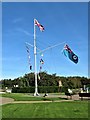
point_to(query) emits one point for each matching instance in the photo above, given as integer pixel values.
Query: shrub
(41, 89)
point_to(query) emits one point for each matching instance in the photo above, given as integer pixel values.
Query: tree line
(45, 79)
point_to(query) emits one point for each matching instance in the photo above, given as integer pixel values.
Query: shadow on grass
(53, 99)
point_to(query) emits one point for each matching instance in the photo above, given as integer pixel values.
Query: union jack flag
(39, 25)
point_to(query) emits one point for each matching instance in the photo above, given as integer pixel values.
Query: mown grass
(75, 109)
(28, 97)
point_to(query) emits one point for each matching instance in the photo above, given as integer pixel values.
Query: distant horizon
(47, 73)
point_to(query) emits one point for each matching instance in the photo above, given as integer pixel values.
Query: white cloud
(17, 20)
(24, 31)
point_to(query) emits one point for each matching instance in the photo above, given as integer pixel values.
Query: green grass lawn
(28, 97)
(75, 109)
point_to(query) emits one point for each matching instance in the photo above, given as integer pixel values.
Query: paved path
(4, 100)
(74, 97)
(41, 101)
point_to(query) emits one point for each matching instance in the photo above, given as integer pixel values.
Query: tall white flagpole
(35, 62)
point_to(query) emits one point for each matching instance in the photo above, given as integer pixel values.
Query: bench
(84, 95)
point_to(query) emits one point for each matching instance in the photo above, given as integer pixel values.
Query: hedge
(41, 89)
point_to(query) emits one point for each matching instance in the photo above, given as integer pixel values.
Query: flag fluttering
(40, 67)
(39, 25)
(28, 51)
(38, 76)
(41, 61)
(70, 54)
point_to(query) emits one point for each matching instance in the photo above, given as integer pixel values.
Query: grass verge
(28, 97)
(75, 109)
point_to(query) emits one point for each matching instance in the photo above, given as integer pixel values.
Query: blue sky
(63, 22)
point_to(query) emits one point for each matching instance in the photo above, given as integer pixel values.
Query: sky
(64, 22)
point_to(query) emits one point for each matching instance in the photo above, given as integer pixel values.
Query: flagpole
(35, 62)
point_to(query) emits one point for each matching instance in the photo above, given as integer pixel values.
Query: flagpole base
(36, 94)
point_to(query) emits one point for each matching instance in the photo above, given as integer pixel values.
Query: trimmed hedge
(48, 89)
(41, 89)
(23, 90)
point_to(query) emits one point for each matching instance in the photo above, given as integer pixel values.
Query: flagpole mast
(35, 62)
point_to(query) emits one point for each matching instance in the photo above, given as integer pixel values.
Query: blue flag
(70, 54)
